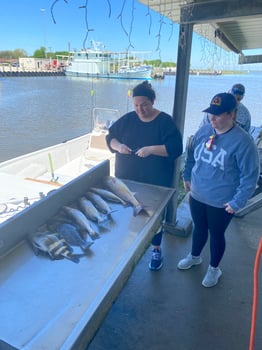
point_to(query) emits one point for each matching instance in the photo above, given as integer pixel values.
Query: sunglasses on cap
(236, 91)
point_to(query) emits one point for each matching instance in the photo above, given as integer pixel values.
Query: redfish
(81, 220)
(120, 189)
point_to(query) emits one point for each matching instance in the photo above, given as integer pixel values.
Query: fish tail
(103, 219)
(86, 246)
(137, 209)
(71, 257)
(94, 235)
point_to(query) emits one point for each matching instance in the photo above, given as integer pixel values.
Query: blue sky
(28, 25)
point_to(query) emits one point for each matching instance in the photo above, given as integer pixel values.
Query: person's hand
(123, 149)
(229, 209)
(187, 185)
(143, 152)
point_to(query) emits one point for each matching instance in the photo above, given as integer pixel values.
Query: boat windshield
(103, 118)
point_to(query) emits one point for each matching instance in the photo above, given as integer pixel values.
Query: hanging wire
(121, 17)
(150, 18)
(52, 9)
(122, 22)
(131, 24)
(171, 31)
(129, 32)
(109, 8)
(158, 49)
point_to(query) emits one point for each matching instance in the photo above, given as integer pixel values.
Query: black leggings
(215, 220)
(157, 239)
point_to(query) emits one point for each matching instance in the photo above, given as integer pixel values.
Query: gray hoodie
(227, 173)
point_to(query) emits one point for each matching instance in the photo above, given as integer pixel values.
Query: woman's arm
(119, 147)
(157, 150)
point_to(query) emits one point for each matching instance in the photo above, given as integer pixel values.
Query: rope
(255, 297)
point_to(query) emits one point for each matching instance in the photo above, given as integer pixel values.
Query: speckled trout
(90, 211)
(99, 203)
(78, 217)
(107, 195)
(118, 187)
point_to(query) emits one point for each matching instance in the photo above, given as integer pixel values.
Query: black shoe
(157, 260)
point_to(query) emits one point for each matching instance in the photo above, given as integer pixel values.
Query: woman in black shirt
(146, 142)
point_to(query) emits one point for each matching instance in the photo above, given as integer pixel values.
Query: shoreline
(6, 74)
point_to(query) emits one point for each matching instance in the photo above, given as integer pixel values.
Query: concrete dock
(171, 310)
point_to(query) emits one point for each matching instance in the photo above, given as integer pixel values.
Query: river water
(37, 112)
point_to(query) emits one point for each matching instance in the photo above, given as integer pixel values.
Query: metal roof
(234, 25)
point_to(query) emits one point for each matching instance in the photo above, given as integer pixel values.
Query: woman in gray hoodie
(221, 173)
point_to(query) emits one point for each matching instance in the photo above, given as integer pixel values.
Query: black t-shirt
(134, 133)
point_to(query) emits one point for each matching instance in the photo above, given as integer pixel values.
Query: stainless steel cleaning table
(57, 304)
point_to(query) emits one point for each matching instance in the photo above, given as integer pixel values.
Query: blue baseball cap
(221, 103)
(238, 89)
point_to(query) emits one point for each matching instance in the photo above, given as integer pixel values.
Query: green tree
(40, 53)
(9, 55)
(6, 54)
(60, 53)
(19, 53)
(168, 64)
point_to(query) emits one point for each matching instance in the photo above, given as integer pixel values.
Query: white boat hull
(98, 63)
(35, 174)
(141, 74)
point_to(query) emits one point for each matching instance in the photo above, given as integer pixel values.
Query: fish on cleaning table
(72, 236)
(99, 203)
(52, 245)
(81, 220)
(107, 195)
(90, 211)
(119, 188)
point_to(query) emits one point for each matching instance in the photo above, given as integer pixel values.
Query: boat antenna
(53, 178)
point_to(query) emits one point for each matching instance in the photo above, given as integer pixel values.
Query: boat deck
(35, 179)
(170, 310)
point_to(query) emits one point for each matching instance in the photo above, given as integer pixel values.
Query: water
(39, 112)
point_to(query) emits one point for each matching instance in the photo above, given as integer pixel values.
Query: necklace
(211, 140)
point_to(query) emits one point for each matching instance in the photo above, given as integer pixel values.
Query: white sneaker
(189, 261)
(212, 276)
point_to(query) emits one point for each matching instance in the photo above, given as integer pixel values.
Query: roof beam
(219, 11)
(219, 34)
(249, 59)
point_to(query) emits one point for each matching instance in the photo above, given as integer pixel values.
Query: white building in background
(29, 63)
(39, 64)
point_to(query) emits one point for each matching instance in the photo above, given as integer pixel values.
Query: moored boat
(30, 177)
(96, 62)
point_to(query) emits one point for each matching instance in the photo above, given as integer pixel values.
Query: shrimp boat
(96, 62)
(30, 177)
